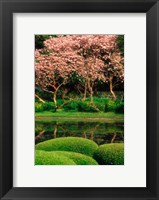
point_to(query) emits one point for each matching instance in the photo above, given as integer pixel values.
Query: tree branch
(47, 91)
(40, 99)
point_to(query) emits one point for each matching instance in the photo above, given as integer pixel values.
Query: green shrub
(86, 107)
(60, 102)
(38, 107)
(110, 154)
(51, 158)
(97, 100)
(109, 105)
(74, 144)
(119, 107)
(115, 106)
(47, 106)
(99, 106)
(80, 106)
(71, 106)
(99, 103)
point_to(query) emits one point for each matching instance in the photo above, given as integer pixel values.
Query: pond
(100, 132)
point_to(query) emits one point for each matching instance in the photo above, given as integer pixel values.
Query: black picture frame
(7, 8)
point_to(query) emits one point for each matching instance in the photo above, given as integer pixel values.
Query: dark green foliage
(51, 158)
(80, 106)
(120, 42)
(39, 40)
(115, 106)
(46, 52)
(87, 107)
(110, 154)
(74, 144)
(47, 106)
(71, 106)
(99, 104)
(109, 105)
(44, 95)
(60, 102)
(119, 107)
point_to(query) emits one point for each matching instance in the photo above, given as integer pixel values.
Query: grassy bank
(78, 116)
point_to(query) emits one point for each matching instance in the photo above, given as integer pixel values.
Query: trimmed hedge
(74, 144)
(110, 154)
(51, 158)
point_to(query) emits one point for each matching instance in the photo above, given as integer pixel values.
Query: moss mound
(62, 158)
(78, 158)
(74, 144)
(110, 154)
(51, 158)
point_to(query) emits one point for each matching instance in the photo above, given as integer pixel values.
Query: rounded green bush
(51, 158)
(110, 154)
(74, 144)
(78, 158)
(62, 158)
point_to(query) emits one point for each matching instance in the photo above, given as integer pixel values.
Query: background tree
(120, 42)
(39, 40)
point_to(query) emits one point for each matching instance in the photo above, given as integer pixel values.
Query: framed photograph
(79, 99)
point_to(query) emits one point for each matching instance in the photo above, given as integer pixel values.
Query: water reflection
(100, 132)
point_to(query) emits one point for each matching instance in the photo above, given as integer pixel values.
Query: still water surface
(100, 132)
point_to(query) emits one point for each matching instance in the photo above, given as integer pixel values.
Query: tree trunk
(113, 138)
(92, 136)
(39, 135)
(111, 88)
(55, 131)
(54, 97)
(91, 94)
(84, 134)
(90, 90)
(85, 91)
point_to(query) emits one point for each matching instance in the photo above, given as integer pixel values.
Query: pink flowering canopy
(92, 57)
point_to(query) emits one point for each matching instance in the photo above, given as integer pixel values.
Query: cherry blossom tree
(53, 70)
(114, 70)
(95, 50)
(91, 57)
(91, 71)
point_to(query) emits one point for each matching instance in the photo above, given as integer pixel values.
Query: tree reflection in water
(100, 132)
